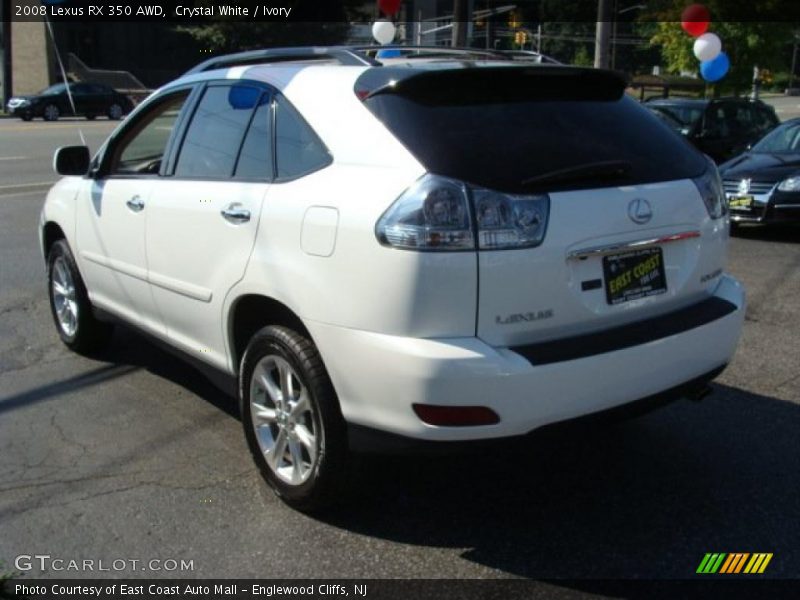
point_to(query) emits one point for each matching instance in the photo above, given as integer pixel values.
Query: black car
(720, 127)
(91, 100)
(763, 184)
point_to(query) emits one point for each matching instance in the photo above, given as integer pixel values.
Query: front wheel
(69, 303)
(291, 418)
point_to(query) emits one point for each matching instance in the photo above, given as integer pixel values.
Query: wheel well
(52, 233)
(251, 313)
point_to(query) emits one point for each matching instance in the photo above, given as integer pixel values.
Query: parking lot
(133, 455)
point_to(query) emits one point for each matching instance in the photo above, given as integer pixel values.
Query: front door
(113, 211)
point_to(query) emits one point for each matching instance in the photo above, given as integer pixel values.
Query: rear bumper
(378, 377)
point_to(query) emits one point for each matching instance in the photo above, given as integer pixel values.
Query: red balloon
(695, 19)
(389, 7)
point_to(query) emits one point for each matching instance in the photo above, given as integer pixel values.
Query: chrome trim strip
(622, 246)
(787, 206)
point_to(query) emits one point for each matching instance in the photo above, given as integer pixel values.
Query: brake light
(438, 213)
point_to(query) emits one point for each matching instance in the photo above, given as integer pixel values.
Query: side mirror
(71, 160)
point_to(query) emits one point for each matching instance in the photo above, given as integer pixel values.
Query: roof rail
(423, 51)
(345, 56)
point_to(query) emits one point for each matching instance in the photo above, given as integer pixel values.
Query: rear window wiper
(606, 169)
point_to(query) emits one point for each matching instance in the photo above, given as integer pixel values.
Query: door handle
(136, 204)
(235, 213)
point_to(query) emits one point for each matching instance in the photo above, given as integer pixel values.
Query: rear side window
(255, 158)
(299, 151)
(503, 133)
(212, 141)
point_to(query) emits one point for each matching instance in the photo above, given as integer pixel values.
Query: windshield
(685, 115)
(53, 89)
(783, 140)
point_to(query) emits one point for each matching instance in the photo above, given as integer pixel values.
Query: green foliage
(747, 43)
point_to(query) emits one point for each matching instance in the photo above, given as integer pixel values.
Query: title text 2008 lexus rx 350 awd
(426, 249)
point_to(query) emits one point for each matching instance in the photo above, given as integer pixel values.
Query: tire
(115, 112)
(51, 113)
(310, 436)
(734, 228)
(91, 117)
(27, 117)
(69, 303)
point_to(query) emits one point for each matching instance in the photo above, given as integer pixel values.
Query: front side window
(142, 148)
(214, 137)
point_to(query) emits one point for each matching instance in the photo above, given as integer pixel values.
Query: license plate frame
(634, 274)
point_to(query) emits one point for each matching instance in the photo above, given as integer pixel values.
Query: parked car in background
(763, 184)
(720, 127)
(669, 120)
(441, 250)
(91, 100)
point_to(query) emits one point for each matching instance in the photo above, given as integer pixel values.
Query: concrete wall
(29, 57)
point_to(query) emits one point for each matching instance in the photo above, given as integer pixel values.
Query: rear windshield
(503, 138)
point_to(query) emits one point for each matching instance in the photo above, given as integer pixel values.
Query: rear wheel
(115, 112)
(69, 303)
(51, 112)
(291, 418)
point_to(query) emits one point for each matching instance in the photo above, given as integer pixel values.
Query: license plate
(635, 274)
(740, 202)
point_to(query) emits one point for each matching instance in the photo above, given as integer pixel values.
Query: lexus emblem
(744, 186)
(639, 211)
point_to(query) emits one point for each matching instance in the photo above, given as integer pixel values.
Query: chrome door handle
(235, 213)
(136, 204)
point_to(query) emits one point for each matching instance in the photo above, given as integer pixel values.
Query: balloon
(389, 7)
(714, 70)
(707, 47)
(383, 31)
(389, 53)
(694, 19)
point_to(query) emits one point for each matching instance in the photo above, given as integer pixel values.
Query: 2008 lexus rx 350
(432, 248)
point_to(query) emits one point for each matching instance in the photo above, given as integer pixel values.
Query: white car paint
(395, 327)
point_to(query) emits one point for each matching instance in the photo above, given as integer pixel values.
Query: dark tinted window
(299, 151)
(215, 134)
(255, 159)
(485, 136)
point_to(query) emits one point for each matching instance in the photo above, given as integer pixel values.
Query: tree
(747, 43)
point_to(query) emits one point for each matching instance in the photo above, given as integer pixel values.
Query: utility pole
(5, 64)
(603, 34)
(460, 18)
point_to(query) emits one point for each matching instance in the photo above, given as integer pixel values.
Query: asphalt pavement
(133, 455)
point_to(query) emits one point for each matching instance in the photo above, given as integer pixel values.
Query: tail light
(438, 213)
(709, 184)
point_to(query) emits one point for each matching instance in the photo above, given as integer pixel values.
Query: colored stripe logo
(736, 562)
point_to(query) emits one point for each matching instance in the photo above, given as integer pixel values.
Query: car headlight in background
(709, 184)
(789, 185)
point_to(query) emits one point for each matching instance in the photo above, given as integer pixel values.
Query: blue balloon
(389, 53)
(714, 70)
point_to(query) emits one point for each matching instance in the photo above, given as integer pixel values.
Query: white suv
(433, 248)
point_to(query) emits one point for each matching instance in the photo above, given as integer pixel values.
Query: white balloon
(707, 47)
(383, 32)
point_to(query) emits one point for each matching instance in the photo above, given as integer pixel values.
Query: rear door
(202, 220)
